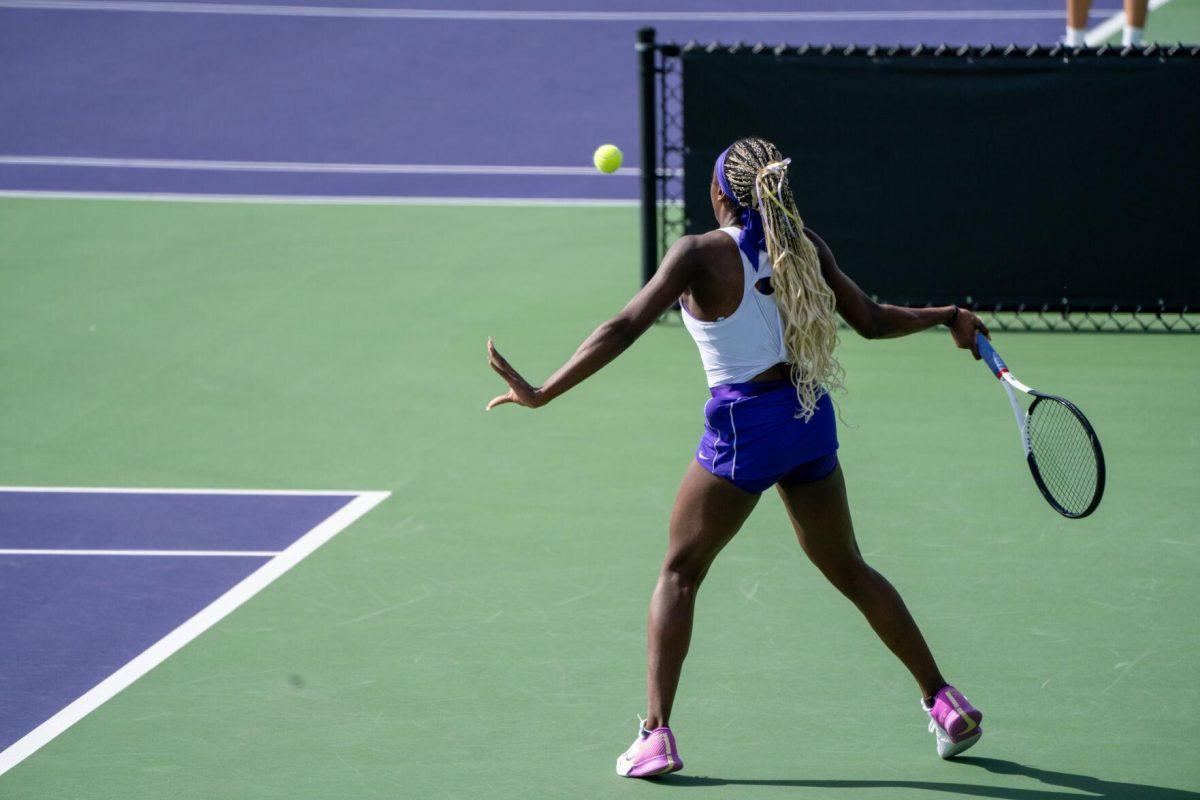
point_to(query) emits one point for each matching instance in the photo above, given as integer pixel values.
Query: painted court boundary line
(26, 551)
(168, 490)
(350, 12)
(202, 621)
(306, 166)
(319, 200)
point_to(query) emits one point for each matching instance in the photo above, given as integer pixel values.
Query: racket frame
(1011, 386)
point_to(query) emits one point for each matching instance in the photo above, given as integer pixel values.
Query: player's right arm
(873, 320)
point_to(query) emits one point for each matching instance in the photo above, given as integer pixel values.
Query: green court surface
(481, 633)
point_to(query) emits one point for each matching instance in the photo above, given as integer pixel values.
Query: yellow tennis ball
(607, 158)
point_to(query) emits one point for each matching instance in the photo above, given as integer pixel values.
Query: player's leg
(820, 514)
(1077, 21)
(708, 512)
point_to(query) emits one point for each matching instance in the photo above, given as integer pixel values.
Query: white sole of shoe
(959, 747)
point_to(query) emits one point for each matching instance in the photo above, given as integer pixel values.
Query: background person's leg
(1135, 21)
(1077, 21)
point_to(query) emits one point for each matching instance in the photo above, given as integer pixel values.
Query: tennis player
(760, 297)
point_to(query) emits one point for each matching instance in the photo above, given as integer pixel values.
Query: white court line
(250, 9)
(306, 166)
(1113, 25)
(165, 490)
(202, 621)
(165, 553)
(319, 200)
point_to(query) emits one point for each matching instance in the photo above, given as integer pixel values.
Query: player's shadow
(1095, 787)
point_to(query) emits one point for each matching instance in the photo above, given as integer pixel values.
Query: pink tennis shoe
(953, 721)
(652, 753)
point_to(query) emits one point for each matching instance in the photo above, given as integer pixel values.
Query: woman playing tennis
(759, 295)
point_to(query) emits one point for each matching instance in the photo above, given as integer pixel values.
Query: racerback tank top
(735, 348)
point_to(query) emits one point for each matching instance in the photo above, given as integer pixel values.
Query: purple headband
(753, 237)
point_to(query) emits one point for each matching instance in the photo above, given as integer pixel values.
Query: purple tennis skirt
(753, 438)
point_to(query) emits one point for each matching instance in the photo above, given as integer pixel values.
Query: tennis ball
(607, 158)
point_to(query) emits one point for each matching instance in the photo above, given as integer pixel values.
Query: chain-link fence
(666, 218)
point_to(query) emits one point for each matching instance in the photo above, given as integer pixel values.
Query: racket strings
(1064, 454)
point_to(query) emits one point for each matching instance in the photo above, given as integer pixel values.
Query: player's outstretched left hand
(964, 328)
(519, 390)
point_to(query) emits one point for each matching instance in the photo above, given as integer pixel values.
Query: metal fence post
(649, 154)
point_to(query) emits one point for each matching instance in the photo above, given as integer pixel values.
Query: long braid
(757, 173)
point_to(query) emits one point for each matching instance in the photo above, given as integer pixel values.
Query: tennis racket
(1061, 447)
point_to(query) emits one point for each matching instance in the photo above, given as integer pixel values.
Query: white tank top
(734, 349)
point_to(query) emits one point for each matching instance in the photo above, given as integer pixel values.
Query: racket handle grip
(989, 355)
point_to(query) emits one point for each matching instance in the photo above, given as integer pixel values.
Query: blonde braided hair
(757, 173)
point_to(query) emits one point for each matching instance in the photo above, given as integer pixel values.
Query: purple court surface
(365, 98)
(101, 585)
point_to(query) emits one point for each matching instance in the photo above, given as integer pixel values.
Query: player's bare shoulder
(715, 241)
(715, 277)
(699, 245)
(718, 251)
(699, 256)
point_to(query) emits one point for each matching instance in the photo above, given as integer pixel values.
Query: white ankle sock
(1133, 36)
(1074, 37)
